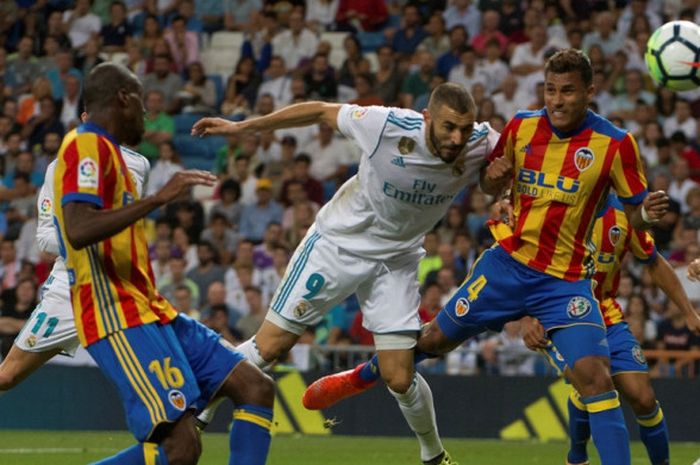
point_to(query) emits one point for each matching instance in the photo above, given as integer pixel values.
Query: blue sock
(249, 441)
(608, 428)
(370, 372)
(146, 453)
(579, 430)
(654, 434)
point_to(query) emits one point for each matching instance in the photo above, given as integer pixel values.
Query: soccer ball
(673, 55)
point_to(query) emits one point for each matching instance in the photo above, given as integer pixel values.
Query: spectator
(185, 247)
(436, 41)
(681, 183)
(388, 78)
(330, 157)
(17, 305)
(80, 24)
(178, 278)
(238, 14)
(625, 103)
(467, 73)
(248, 183)
(301, 173)
(29, 104)
(257, 216)
(492, 68)
(24, 163)
(222, 236)
(199, 92)
(116, 35)
(365, 94)
(151, 34)
(431, 261)
(463, 13)
(184, 44)
(507, 354)
(489, 34)
(263, 253)
(527, 60)
(321, 14)
(449, 59)
(276, 83)
(297, 44)
(70, 108)
(352, 64)
(161, 264)
(58, 74)
(208, 270)
(9, 265)
(248, 324)
(361, 15)
(167, 164)
(163, 80)
(159, 127)
(430, 305)
(604, 34)
(451, 224)
(271, 277)
(418, 82)
(229, 203)
(682, 120)
(182, 300)
(211, 14)
(637, 8)
(217, 320)
(407, 39)
(320, 79)
(673, 334)
(244, 82)
(45, 122)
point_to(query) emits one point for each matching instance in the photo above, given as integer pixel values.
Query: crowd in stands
(219, 254)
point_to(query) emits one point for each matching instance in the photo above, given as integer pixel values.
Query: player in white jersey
(367, 239)
(50, 329)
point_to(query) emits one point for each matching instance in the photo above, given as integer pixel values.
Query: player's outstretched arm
(87, 224)
(649, 212)
(299, 114)
(663, 276)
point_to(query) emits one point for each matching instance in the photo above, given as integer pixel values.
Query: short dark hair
(104, 83)
(570, 60)
(454, 96)
(303, 157)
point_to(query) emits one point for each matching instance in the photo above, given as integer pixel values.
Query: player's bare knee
(398, 382)
(592, 376)
(263, 392)
(643, 403)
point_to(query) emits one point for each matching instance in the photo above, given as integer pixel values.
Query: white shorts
(320, 276)
(51, 324)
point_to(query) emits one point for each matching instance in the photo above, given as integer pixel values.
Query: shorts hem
(282, 322)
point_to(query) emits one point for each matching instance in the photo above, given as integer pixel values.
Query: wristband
(646, 218)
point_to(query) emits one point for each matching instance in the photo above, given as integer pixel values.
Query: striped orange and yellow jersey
(560, 182)
(112, 284)
(613, 237)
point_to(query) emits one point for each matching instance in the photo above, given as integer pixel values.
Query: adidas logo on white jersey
(398, 161)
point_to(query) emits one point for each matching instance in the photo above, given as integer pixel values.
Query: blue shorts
(211, 358)
(149, 368)
(500, 289)
(170, 368)
(626, 355)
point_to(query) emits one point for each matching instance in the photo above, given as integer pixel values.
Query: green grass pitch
(78, 447)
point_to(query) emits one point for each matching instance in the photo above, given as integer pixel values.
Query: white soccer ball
(673, 55)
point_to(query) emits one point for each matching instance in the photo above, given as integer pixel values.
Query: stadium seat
(191, 147)
(371, 41)
(184, 122)
(226, 40)
(220, 61)
(336, 39)
(218, 81)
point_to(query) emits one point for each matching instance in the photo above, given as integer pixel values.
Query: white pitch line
(55, 450)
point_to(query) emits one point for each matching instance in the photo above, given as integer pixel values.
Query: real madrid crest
(301, 308)
(406, 145)
(583, 158)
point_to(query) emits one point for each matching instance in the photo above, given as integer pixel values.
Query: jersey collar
(97, 129)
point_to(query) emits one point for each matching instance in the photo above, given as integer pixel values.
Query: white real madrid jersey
(46, 236)
(401, 190)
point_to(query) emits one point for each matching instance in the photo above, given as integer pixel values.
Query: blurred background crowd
(219, 254)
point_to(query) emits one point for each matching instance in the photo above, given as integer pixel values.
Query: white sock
(416, 404)
(250, 351)
(205, 417)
